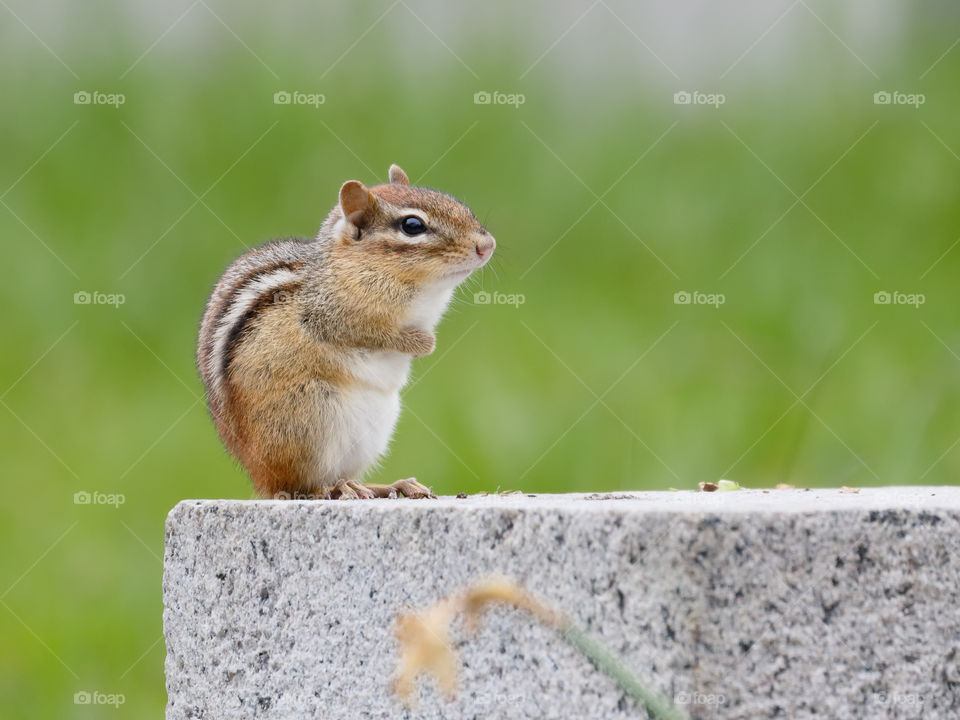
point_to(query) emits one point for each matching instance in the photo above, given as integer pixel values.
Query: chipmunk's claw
(410, 488)
(351, 490)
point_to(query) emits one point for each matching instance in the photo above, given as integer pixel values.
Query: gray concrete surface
(784, 604)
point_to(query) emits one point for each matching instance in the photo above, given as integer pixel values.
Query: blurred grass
(597, 382)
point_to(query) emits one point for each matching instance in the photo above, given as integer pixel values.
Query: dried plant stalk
(424, 637)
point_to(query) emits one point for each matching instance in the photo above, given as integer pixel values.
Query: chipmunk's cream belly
(385, 370)
(368, 427)
(366, 415)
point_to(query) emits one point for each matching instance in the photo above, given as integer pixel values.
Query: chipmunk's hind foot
(349, 490)
(409, 488)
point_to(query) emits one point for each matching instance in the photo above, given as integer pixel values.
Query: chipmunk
(305, 344)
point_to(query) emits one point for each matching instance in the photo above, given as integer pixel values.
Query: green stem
(658, 706)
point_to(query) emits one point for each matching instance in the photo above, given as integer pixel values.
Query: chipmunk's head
(416, 235)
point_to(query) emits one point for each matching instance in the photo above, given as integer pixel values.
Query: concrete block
(746, 604)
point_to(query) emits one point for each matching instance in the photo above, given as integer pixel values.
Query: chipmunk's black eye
(412, 225)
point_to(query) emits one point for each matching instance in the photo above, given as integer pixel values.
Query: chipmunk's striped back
(255, 280)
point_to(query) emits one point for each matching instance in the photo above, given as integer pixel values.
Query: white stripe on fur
(249, 296)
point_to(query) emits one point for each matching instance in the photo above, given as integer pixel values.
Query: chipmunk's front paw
(410, 488)
(351, 490)
(417, 342)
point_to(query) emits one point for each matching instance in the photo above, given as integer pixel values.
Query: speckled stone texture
(747, 604)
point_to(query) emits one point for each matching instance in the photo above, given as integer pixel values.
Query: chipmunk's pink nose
(485, 246)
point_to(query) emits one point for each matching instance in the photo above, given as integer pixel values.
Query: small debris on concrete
(727, 485)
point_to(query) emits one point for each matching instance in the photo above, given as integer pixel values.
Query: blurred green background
(797, 199)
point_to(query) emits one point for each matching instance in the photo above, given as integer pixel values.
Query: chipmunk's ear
(398, 176)
(356, 201)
